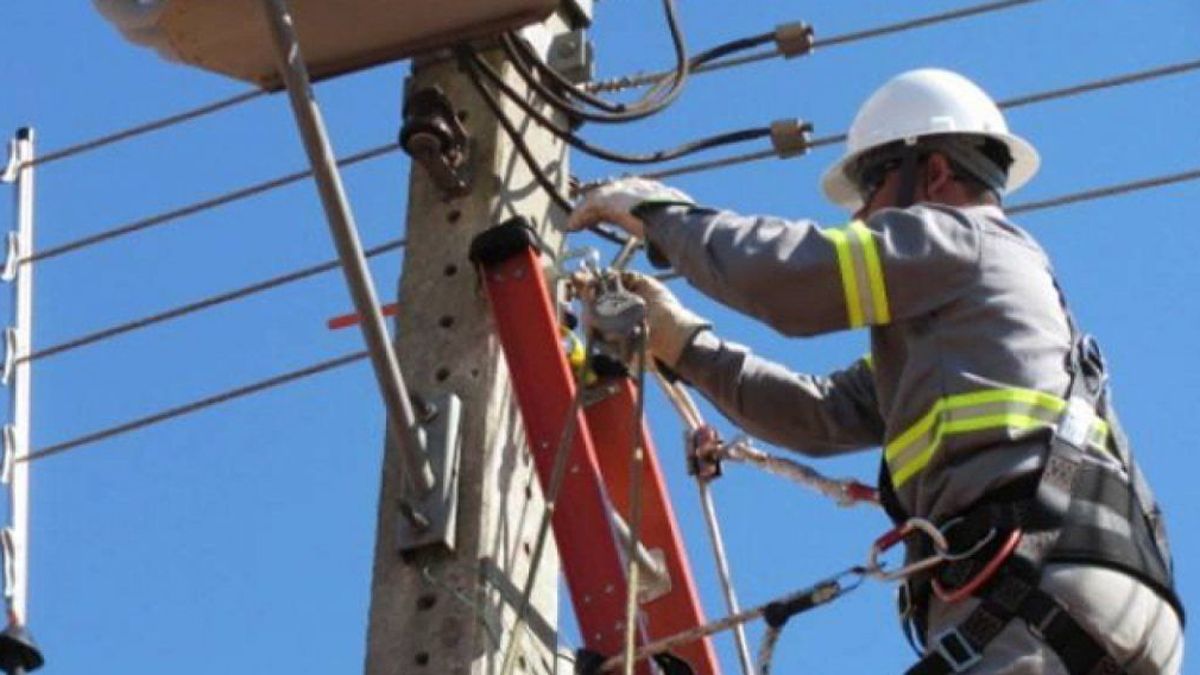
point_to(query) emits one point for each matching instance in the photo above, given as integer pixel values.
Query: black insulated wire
(645, 79)
(539, 173)
(577, 142)
(652, 102)
(1113, 82)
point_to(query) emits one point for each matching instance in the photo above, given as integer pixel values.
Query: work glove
(672, 327)
(616, 201)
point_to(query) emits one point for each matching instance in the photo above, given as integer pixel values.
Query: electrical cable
(652, 102)
(154, 125)
(644, 79)
(539, 174)
(1114, 82)
(582, 145)
(200, 206)
(194, 406)
(525, 60)
(204, 303)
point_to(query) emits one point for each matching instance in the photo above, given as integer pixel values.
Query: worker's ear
(937, 176)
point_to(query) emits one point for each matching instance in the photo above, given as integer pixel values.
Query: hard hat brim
(840, 190)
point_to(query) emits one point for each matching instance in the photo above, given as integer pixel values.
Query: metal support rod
(402, 424)
(654, 571)
(686, 407)
(18, 372)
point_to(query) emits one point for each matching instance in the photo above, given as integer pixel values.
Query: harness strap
(1008, 597)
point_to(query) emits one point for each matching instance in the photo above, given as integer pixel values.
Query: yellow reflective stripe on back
(874, 273)
(845, 260)
(974, 411)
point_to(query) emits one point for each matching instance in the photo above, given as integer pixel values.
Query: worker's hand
(672, 326)
(615, 202)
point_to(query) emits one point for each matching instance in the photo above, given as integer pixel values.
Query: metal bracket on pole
(19, 653)
(434, 136)
(439, 507)
(408, 436)
(572, 55)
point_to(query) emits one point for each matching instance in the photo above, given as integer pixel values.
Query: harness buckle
(958, 653)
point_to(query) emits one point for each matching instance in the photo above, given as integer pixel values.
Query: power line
(286, 378)
(154, 125)
(200, 206)
(195, 406)
(644, 79)
(1113, 82)
(205, 303)
(1108, 191)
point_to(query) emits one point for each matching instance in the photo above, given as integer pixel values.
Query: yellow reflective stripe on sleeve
(1013, 410)
(841, 243)
(874, 273)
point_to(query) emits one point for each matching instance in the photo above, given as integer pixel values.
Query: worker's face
(935, 180)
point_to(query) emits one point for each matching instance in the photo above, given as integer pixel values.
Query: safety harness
(1081, 508)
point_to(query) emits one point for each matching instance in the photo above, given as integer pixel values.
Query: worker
(990, 404)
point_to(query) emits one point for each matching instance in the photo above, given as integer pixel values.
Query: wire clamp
(794, 39)
(10, 453)
(573, 56)
(13, 167)
(434, 136)
(704, 453)
(12, 257)
(791, 137)
(10, 356)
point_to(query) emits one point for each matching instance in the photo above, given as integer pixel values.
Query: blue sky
(241, 537)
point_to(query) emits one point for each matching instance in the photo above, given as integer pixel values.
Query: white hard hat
(921, 103)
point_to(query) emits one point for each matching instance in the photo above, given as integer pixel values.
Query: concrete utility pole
(434, 611)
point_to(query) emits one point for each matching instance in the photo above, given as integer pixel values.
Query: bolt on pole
(402, 424)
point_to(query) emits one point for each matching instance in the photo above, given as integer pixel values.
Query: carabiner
(896, 535)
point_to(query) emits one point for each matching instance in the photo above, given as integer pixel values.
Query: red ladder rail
(527, 325)
(611, 422)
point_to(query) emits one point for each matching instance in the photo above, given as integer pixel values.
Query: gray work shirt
(969, 339)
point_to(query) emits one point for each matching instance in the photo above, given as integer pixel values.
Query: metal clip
(704, 453)
(10, 356)
(12, 257)
(794, 39)
(9, 548)
(896, 535)
(13, 167)
(790, 137)
(10, 454)
(571, 55)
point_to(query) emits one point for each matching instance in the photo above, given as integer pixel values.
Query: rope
(201, 206)
(644, 79)
(637, 461)
(557, 474)
(194, 406)
(131, 132)
(205, 303)
(1113, 82)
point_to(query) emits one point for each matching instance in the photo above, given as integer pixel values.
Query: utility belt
(1078, 508)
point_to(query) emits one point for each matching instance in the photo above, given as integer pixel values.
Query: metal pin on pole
(402, 424)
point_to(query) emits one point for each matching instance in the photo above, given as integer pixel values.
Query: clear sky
(240, 539)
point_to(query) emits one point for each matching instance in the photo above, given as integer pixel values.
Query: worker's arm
(803, 280)
(814, 415)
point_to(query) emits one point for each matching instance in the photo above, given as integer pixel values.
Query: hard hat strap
(906, 195)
